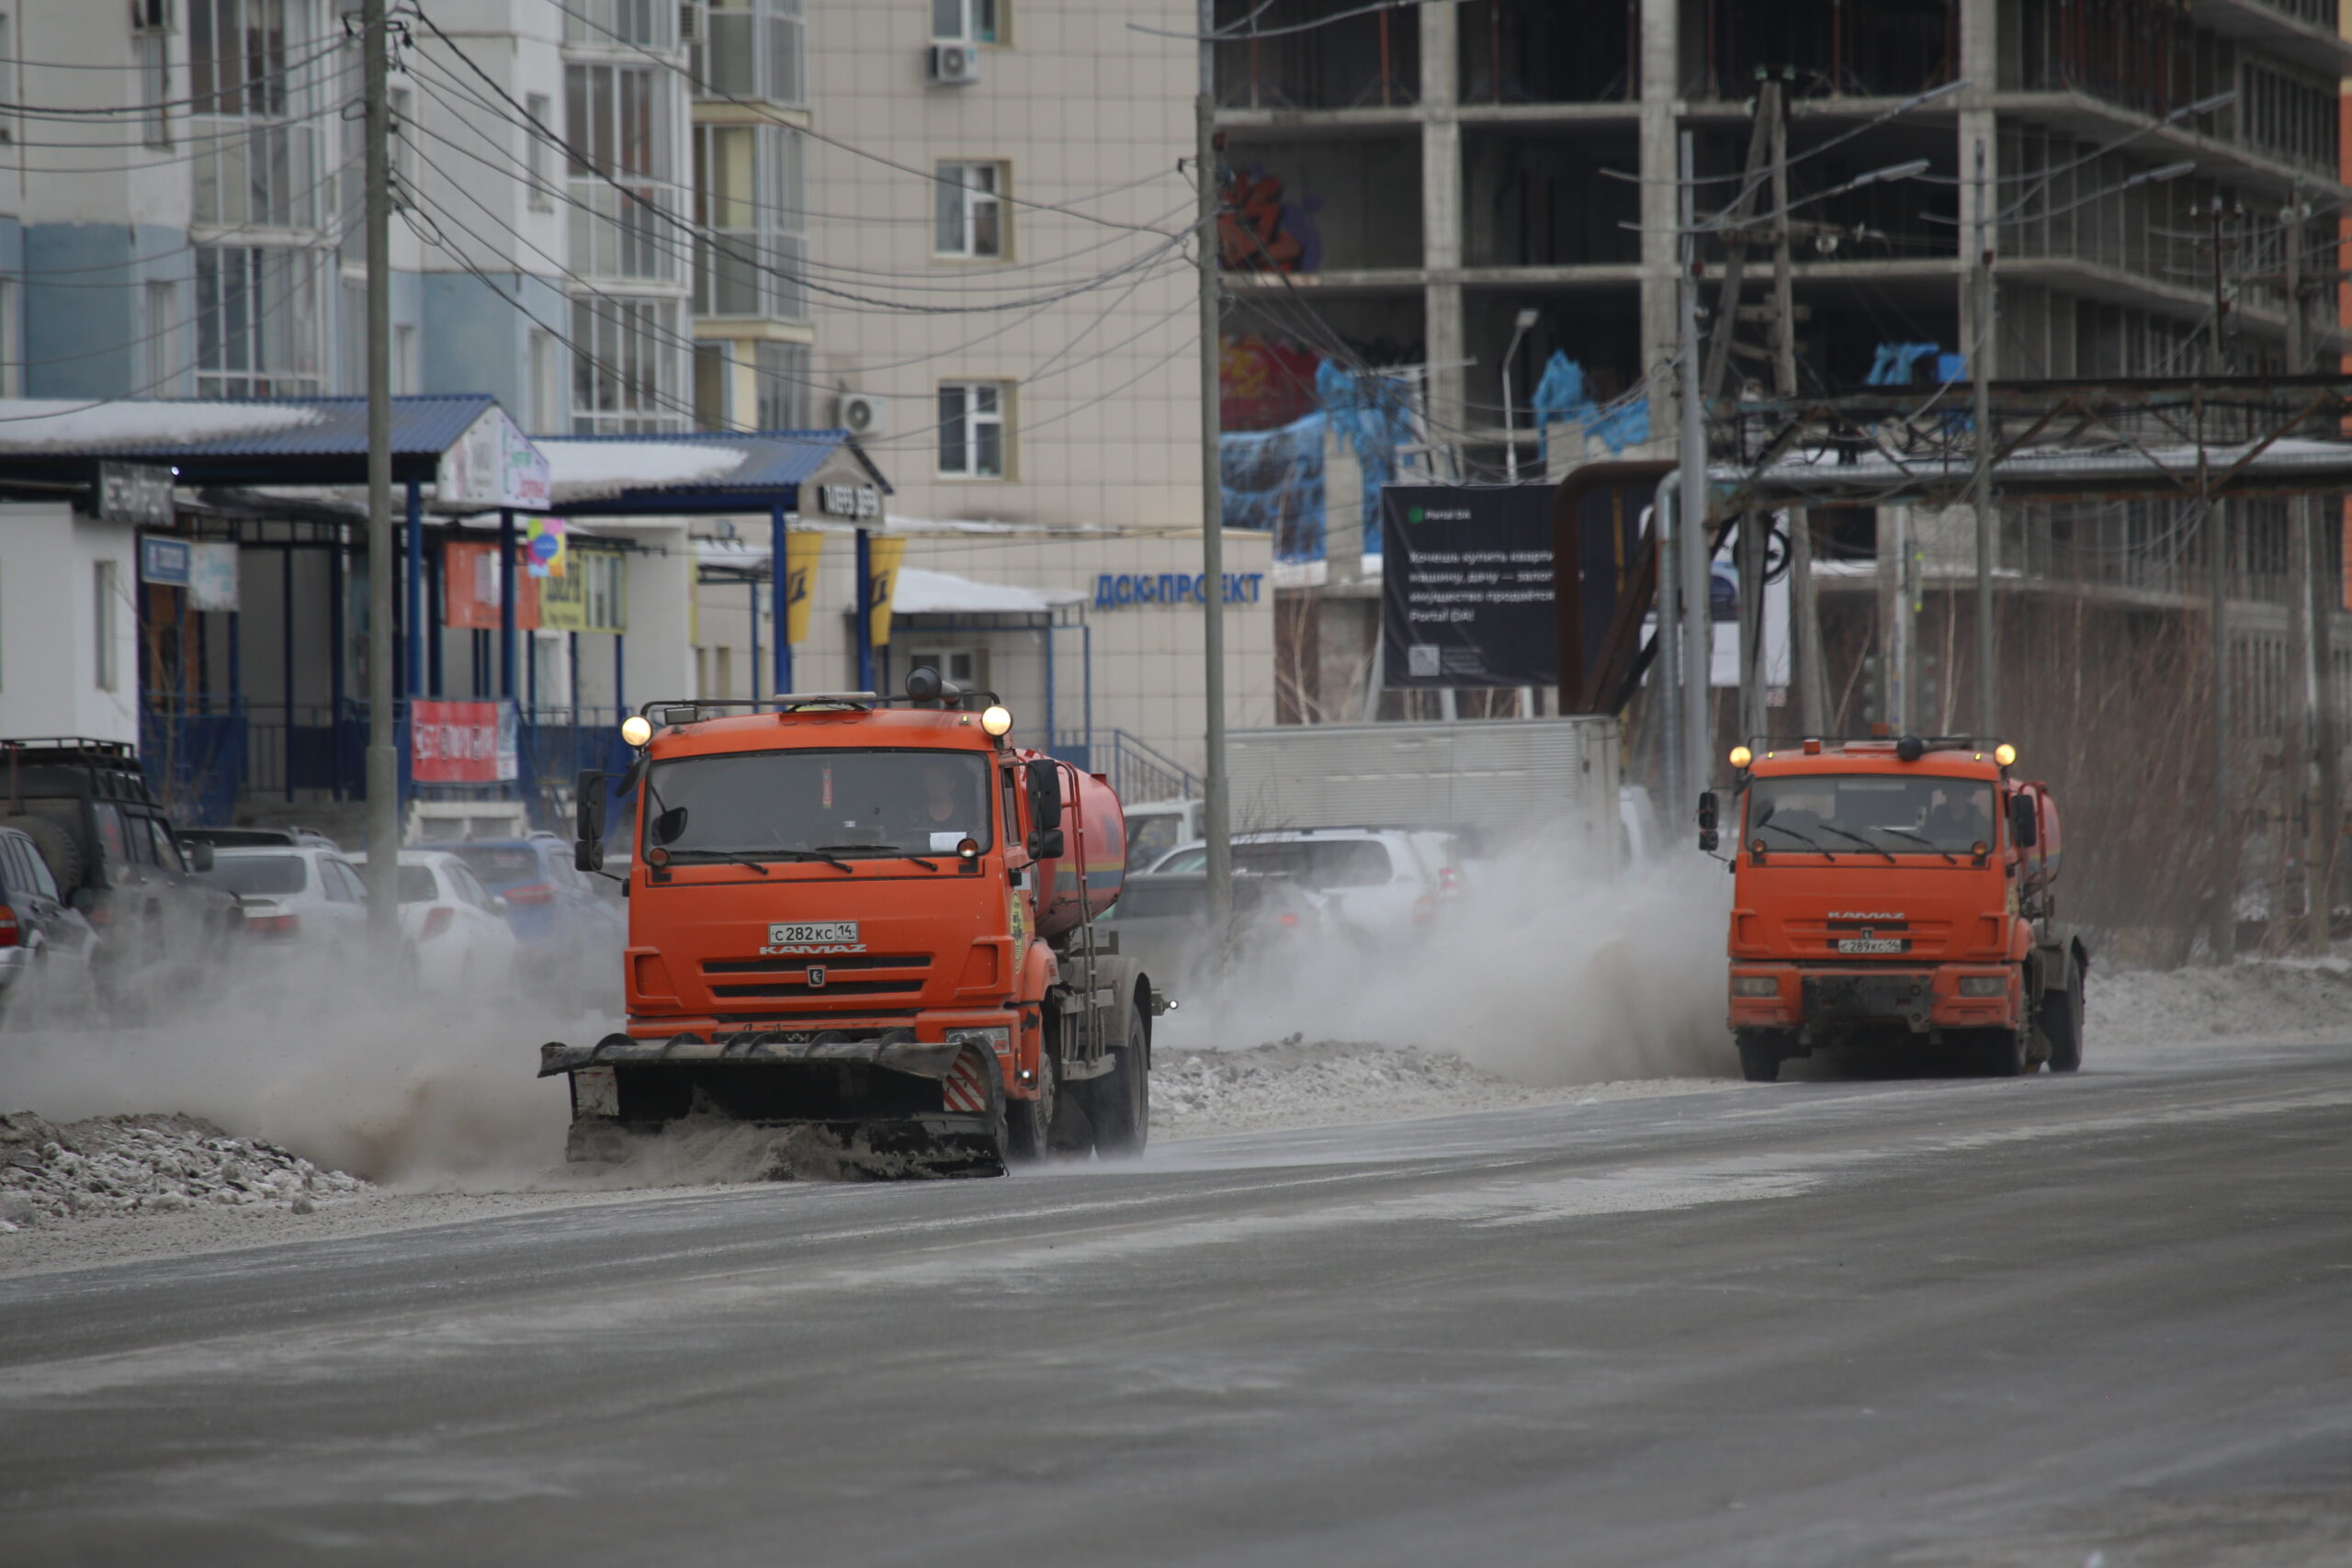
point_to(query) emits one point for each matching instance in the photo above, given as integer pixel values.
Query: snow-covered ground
(440, 1121)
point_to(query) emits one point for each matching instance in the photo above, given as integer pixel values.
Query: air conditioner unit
(862, 414)
(955, 64)
(689, 24)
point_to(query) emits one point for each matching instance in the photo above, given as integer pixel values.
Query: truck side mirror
(2025, 823)
(588, 821)
(1045, 792)
(200, 857)
(1708, 838)
(1047, 843)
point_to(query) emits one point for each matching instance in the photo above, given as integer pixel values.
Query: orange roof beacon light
(997, 721)
(2006, 754)
(636, 730)
(1741, 756)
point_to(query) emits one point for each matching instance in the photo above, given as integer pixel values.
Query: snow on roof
(923, 593)
(581, 470)
(32, 424)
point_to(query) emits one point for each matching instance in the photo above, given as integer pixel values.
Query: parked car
(569, 936)
(452, 929)
(307, 902)
(117, 860)
(1376, 886)
(258, 837)
(1161, 919)
(1157, 826)
(45, 943)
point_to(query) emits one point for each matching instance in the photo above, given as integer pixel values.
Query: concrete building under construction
(2153, 177)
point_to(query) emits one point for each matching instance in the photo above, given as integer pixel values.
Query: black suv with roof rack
(85, 805)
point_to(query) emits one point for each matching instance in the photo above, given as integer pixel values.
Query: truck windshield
(1871, 813)
(782, 804)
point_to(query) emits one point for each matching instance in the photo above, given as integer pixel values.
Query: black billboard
(1466, 586)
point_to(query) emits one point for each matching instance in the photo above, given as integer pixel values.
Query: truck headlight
(1755, 985)
(1984, 984)
(998, 1040)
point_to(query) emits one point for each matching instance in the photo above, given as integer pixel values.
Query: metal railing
(1137, 772)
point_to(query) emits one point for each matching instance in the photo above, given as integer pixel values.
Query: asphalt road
(1947, 1323)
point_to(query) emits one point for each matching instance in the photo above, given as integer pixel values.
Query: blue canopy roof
(775, 463)
(328, 449)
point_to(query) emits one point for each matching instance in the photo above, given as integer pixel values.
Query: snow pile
(584, 470)
(32, 423)
(2270, 997)
(112, 1165)
(1296, 1083)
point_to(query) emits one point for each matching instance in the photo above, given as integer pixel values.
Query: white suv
(1380, 887)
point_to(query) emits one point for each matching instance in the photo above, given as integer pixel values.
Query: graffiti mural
(1264, 385)
(1258, 232)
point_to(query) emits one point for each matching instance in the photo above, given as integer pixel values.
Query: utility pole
(2313, 794)
(383, 760)
(1811, 690)
(2223, 935)
(1697, 598)
(1979, 365)
(1215, 825)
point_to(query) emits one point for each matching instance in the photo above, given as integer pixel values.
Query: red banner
(469, 590)
(461, 742)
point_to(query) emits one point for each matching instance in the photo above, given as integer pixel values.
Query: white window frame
(783, 373)
(970, 198)
(151, 40)
(12, 340)
(969, 21)
(968, 411)
(628, 362)
(289, 317)
(8, 75)
(158, 337)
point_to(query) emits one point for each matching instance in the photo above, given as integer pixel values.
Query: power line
(243, 86)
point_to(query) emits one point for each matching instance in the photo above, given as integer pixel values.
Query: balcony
(638, 237)
(752, 274)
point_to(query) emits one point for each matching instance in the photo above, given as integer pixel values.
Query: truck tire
(1029, 1124)
(2061, 1016)
(1999, 1054)
(1119, 1103)
(1759, 1057)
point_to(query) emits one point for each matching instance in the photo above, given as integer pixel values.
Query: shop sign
(492, 464)
(213, 577)
(163, 561)
(591, 596)
(1122, 590)
(472, 585)
(462, 742)
(135, 492)
(856, 503)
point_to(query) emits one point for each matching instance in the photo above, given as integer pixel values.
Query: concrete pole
(383, 760)
(1215, 821)
(2309, 795)
(1809, 682)
(1698, 599)
(2222, 937)
(1980, 371)
(1443, 328)
(1660, 208)
(1665, 675)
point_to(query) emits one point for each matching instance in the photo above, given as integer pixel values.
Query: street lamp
(1511, 438)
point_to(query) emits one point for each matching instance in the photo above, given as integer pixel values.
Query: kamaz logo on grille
(1864, 915)
(816, 976)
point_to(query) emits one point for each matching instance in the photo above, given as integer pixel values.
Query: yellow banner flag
(882, 583)
(801, 550)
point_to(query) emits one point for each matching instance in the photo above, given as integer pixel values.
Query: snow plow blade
(839, 1106)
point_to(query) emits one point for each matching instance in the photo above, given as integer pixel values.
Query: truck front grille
(879, 974)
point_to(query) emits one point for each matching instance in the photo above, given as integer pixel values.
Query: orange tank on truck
(1897, 895)
(870, 917)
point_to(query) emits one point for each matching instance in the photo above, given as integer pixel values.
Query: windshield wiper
(1906, 833)
(1816, 845)
(1874, 848)
(723, 854)
(892, 851)
(817, 854)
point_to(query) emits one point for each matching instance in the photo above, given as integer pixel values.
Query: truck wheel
(1759, 1058)
(2061, 1016)
(1119, 1103)
(2000, 1054)
(1030, 1122)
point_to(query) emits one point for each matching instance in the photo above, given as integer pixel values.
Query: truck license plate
(1872, 944)
(813, 933)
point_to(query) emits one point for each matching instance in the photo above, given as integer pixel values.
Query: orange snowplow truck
(870, 915)
(1895, 895)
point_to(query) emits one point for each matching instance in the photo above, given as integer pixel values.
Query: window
(752, 49)
(971, 429)
(262, 875)
(964, 21)
(625, 366)
(651, 23)
(852, 804)
(405, 376)
(751, 251)
(151, 38)
(971, 210)
(714, 383)
(161, 360)
(248, 69)
(546, 395)
(535, 152)
(617, 123)
(782, 372)
(344, 884)
(7, 76)
(105, 585)
(167, 849)
(400, 104)
(257, 322)
(12, 358)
